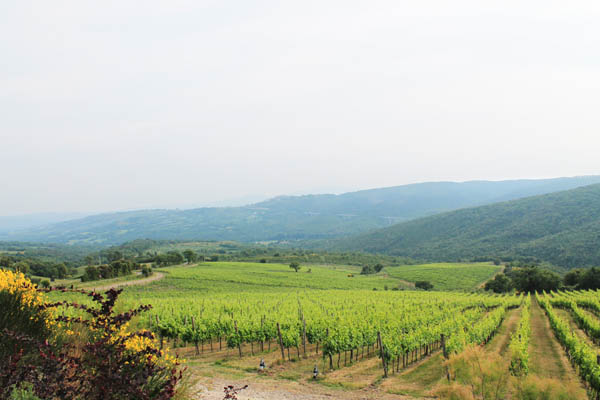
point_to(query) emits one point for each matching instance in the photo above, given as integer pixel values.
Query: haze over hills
(18, 222)
(562, 228)
(294, 217)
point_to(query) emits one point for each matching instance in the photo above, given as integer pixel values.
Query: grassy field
(445, 276)
(241, 276)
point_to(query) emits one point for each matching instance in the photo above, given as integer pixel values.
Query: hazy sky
(108, 105)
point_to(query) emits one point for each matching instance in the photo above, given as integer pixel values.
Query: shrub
(367, 270)
(425, 285)
(146, 271)
(19, 302)
(103, 361)
(23, 392)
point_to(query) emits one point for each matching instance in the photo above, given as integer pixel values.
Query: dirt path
(548, 359)
(154, 277)
(212, 389)
(402, 281)
(501, 339)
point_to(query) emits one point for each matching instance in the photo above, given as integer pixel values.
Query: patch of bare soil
(154, 277)
(212, 389)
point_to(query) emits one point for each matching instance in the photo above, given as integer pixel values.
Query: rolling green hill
(291, 218)
(562, 228)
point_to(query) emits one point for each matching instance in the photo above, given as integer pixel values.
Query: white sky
(108, 105)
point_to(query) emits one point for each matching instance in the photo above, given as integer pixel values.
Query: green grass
(214, 278)
(218, 277)
(446, 276)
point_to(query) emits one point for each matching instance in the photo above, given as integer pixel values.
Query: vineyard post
(159, 331)
(238, 338)
(262, 342)
(195, 337)
(445, 353)
(385, 372)
(185, 324)
(330, 356)
(280, 342)
(304, 335)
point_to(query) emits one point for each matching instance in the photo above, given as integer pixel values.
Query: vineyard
(446, 276)
(327, 326)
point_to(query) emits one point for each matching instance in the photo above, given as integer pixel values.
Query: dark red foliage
(232, 392)
(101, 369)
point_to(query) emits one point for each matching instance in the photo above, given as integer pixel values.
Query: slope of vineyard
(446, 276)
(225, 318)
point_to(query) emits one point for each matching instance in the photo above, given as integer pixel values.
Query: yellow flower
(17, 282)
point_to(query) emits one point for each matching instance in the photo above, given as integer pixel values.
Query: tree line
(529, 278)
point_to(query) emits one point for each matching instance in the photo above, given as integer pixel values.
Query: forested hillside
(562, 228)
(294, 217)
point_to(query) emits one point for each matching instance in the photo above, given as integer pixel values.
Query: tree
(500, 284)
(590, 279)
(21, 266)
(295, 266)
(5, 261)
(367, 270)
(378, 267)
(534, 279)
(112, 255)
(573, 277)
(425, 285)
(146, 271)
(91, 274)
(89, 260)
(61, 270)
(189, 255)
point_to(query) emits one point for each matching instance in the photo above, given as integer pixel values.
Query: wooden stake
(383, 361)
(238, 338)
(280, 342)
(304, 335)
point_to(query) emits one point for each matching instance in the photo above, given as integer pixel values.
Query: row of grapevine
(587, 323)
(519, 342)
(480, 332)
(578, 351)
(410, 323)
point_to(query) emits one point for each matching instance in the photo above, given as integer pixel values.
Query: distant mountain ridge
(17, 222)
(562, 228)
(283, 218)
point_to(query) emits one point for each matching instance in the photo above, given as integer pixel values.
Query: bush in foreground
(88, 354)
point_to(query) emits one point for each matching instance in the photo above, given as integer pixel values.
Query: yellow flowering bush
(22, 312)
(17, 283)
(94, 355)
(135, 344)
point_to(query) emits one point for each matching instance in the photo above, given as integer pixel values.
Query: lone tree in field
(425, 285)
(190, 256)
(295, 266)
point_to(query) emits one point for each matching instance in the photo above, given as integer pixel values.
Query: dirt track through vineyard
(154, 277)
(548, 359)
